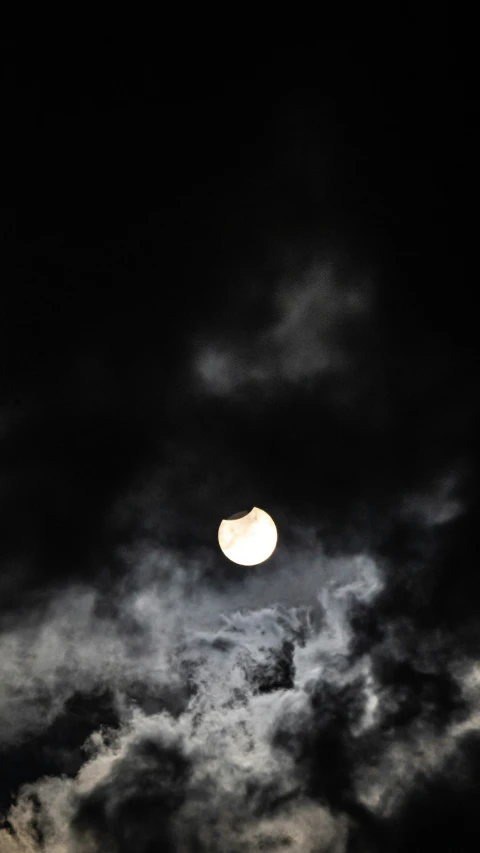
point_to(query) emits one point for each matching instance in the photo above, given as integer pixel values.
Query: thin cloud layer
(314, 317)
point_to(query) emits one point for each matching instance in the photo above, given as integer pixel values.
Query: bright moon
(248, 538)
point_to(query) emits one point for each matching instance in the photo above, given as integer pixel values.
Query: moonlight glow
(248, 539)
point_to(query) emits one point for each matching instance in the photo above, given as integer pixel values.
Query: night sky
(239, 273)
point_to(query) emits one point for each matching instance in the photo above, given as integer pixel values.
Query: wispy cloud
(313, 319)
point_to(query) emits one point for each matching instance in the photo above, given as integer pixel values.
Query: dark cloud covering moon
(222, 290)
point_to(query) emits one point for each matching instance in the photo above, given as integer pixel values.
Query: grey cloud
(241, 664)
(246, 715)
(437, 503)
(310, 334)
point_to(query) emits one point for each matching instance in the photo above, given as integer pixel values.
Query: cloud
(241, 722)
(240, 710)
(235, 670)
(438, 503)
(315, 320)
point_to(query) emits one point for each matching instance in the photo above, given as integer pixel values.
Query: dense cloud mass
(236, 727)
(256, 319)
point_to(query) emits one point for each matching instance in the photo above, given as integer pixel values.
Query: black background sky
(163, 196)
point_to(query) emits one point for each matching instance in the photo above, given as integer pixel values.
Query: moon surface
(248, 538)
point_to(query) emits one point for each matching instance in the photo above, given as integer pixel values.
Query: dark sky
(239, 273)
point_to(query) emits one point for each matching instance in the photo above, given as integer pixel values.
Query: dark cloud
(134, 809)
(440, 810)
(57, 748)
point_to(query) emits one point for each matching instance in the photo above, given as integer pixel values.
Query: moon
(248, 538)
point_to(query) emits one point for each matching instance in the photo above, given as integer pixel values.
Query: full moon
(248, 538)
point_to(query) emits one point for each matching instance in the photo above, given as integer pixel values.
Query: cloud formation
(238, 724)
(315, 316)
(183, 707)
